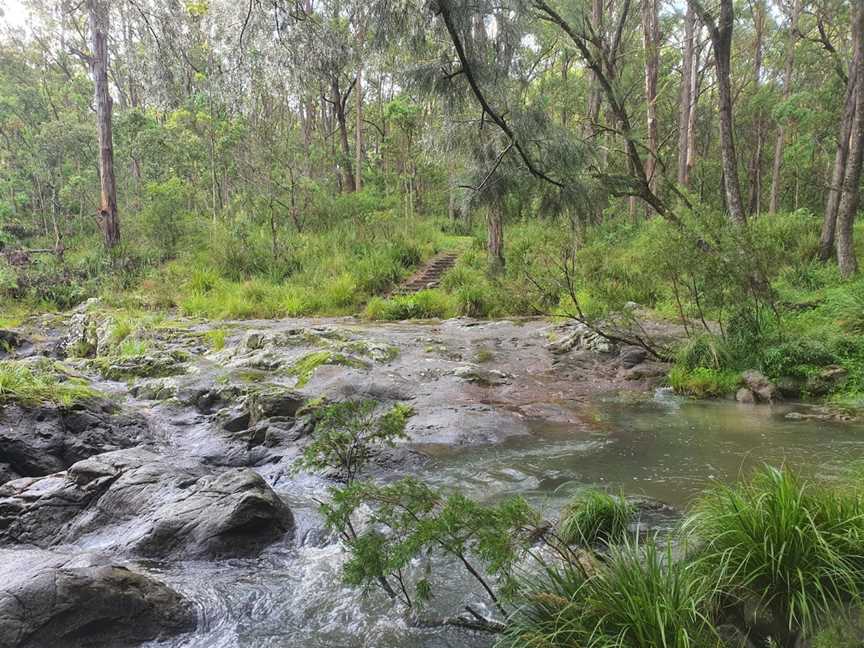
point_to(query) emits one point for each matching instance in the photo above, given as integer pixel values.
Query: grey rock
(70, 602)
(644, 371)
(763, 389)
(480, 376)
(283, 403)
(744, 395)
(136, 503)
(632, 356)
(37, 441)
(10, 341)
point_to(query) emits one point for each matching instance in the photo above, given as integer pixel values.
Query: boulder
(281, 403)
(645, 371)
(81, 339)
(762, 388)
(37, 441)
(69, 602)
(9, 341)
(744, 395)
(134, 502)
(170, 363)
(632, 356)
(820, 384)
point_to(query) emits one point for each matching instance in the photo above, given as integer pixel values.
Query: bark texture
(108, 218)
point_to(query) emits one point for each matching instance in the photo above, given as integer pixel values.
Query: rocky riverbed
(165, 509)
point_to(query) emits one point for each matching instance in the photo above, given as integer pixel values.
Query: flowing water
(663, 447)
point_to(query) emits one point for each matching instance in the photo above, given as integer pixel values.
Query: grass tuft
(37, 384)
(594, 516)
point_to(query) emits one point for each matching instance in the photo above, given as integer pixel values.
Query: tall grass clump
(594, 516)
(36, 384)
(639, 598)
(792, 549)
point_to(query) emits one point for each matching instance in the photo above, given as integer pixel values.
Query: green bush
(798, 358)
(641, 597)
(703, 382)
(426, 304)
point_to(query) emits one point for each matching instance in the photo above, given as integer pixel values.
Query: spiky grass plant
(32, 384)
(792, 549)
(639, 598)
(594, 516)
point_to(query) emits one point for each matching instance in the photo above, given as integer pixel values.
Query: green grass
(640, 597)
(426, 304)
(36, 384)
(595, 516)
(216, 338)
(703, 382)
(304, 368)
(792, 548)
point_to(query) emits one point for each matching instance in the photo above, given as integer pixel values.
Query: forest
(475, 323)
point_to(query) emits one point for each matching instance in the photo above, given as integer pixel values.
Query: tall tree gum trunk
(108, 217)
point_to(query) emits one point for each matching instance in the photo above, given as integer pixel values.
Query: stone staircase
(429, 276)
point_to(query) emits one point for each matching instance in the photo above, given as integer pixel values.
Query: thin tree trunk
(829, 224)
(755, 171)
(774, 203)
(595, 92)
(358, 131)
(849, 201)
(495, 227)
(721, 40)
(109, 219)
(339, 108)
(686, 98)
(651, 42)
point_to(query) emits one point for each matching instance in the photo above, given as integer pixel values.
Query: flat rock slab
(133, 502)
(48, 599)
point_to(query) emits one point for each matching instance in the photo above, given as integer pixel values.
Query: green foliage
(426, 304)
(410, 521)
(703, 382)
(640, 597)
(593, 517)
(165, 215)
(348, 433)
(798, 358)
(216, 338)
(703, 351)
(795, 549)
(32, 384)
(305, 367)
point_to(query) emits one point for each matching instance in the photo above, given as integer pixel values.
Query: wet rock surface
(69, 601)
(45, 439)
(191, 458)
(131, 502)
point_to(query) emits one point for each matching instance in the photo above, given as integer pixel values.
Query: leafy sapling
(348, 433)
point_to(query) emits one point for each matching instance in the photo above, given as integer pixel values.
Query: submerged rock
(69, 602)
(37, 441)
(134, 502)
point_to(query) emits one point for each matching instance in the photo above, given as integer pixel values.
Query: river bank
(198, 417)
